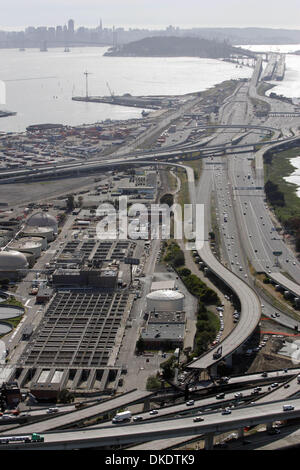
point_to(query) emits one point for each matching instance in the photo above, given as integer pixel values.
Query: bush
(152, 383)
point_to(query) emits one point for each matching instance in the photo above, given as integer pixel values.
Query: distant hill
(174, 46)
(250, 35)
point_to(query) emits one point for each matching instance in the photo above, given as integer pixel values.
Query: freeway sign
(134, 261)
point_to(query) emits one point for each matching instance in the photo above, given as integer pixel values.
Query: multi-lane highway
(248, 239)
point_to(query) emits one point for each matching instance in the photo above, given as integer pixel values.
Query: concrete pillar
(269, 426)
(241, 433)
(146, 405)
(209, 441)
(213, 372)
(228, 360)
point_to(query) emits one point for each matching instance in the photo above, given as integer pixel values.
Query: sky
(17, 14)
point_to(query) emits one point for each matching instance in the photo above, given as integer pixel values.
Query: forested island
(176, 47)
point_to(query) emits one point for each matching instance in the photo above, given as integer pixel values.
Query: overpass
(285, 282)
(82, 414)
(61, 171)
(213, 423)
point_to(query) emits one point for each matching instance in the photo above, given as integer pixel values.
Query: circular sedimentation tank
(10, 311)
(4, 328)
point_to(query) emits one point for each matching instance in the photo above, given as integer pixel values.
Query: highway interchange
(248, 234)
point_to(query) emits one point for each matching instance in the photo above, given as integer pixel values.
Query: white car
(288, 407)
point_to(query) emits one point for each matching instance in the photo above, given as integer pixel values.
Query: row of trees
(274, 195)
(293, 225)
(207, 324)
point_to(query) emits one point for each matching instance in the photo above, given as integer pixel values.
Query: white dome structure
(42, 219)
(45, 232)
(165, 301)
(12, 261)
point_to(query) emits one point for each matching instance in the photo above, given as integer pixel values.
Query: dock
(131, 101)
(7, 113)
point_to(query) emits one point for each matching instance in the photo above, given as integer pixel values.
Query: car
(220, 395)
(286, 386)
(52, 410)
(238, 395)
(137, 418)
(198, 418)
(288, 407)
(227, 411)
(275, 384)
(190, 403)
(153, 412)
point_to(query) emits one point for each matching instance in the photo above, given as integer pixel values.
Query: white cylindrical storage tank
(46, 232)
(33, 247)
(28, 247)
(165, 301)
(40, 240)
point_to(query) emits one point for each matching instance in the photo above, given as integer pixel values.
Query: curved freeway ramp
(250, 311)
(250, 304)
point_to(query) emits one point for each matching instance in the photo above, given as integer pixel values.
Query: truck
(122, 416)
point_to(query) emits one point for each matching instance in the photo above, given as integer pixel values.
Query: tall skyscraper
(71, 26)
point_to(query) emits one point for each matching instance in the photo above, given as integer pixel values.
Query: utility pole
(86, 84)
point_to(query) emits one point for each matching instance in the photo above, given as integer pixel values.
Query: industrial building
(164, 330)
(163, 285)
(80, 337)
(102, 278)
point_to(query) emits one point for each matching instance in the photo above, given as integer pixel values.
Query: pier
(7, 113)
(132, 101)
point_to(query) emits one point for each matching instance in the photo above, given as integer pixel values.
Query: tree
(167, 199)
(140, 345)
(65, 396)
(70, 203)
